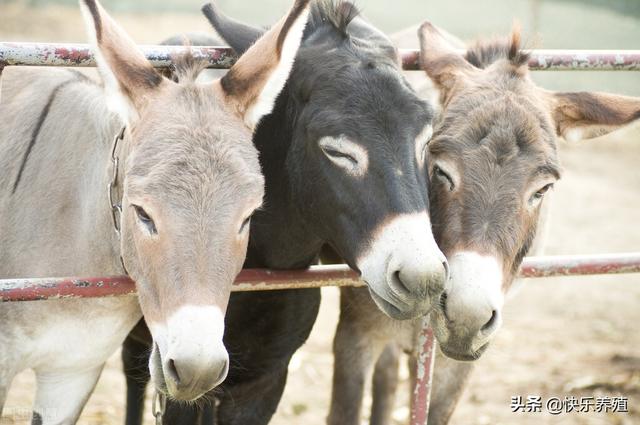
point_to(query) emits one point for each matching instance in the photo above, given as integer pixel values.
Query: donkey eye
(145, 219)
(339, 155)
(442, 175)
(540, 194)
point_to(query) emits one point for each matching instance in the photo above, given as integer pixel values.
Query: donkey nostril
(400, 284)
(492, 321)
(172, 371)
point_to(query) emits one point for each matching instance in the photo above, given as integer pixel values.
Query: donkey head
(192, 180)
(493, 158)
(355, 157)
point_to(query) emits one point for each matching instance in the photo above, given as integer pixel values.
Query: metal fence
(314, 277)
(79, 55)
(67, 54)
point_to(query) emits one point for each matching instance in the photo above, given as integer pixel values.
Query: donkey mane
(185, 67)
(337, 13)
(485, 52)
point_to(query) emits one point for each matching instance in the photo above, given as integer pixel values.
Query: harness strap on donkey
(116, 206)
(115, 203)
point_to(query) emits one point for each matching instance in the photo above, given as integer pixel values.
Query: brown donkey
(492, 160)
(189, 180)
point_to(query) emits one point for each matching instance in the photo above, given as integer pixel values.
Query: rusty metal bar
(421, 397)
(248, 280)
(315, 277)
(65, 54)
(59, 288)
(580, 265)
(560, 60)
(80, 55)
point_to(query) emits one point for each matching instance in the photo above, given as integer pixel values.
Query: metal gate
(79, 55)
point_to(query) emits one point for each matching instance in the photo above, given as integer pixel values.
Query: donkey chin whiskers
(207, 399)
(384, 305)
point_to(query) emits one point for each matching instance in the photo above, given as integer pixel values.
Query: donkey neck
(63, 184)
(280, 237)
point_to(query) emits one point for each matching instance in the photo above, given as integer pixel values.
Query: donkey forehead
(500, 151)
(367, 101)
(198, 195)
(189, 103)
(328, 51)
(504, 122)
(190, 123)
(385, 132)
(498, 139)
(195, 163)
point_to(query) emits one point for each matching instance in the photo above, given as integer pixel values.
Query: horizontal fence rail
(66, 54)
(80, 55)
(315, 277)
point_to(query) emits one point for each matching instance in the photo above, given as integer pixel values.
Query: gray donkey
(183, 165)
(492, 160)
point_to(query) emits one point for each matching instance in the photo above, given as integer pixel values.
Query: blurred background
(550, 24)
(564, 336)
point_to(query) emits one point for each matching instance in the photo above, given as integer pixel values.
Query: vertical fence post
(424, 374)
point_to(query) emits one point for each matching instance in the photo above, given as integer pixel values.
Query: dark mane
(338, 13)
(485, 52)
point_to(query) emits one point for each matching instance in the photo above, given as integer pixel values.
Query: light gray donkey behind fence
(184, 180)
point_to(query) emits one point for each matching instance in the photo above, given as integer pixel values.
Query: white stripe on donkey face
(403, 267)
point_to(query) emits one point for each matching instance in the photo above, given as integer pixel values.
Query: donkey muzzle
(405, 270)
(470, 309)
(188, 378)
(189, 358)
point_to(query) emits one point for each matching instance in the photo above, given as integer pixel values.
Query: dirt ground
(562, 337)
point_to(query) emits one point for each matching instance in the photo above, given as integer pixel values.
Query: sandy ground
(562, 337)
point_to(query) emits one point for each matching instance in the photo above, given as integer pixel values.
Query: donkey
(189, 184)
(492, 160)
(343, 156)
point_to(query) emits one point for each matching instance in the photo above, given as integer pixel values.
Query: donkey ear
(255, 81)
(238, 35)
(128, 77)
(440, 60)
(584, 115)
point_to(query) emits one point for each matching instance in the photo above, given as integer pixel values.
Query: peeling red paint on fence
(59, 288)
(421, 397)
(80, 55)
(315, 277)
(248, 280)
(57, 54)
(573, 265)
(560, 60)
